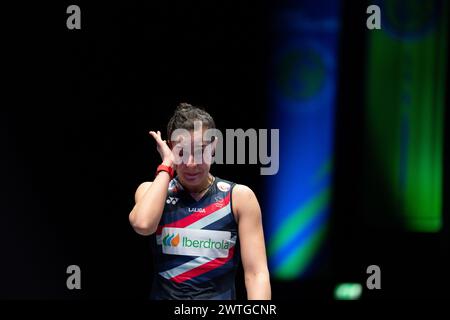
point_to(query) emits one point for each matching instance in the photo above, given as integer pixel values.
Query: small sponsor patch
(199, 210)
(223, 186)
(218, 201)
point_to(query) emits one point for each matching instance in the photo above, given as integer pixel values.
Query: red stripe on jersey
(184, 222)
(201, 269)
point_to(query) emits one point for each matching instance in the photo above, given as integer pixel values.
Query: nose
(191, 161)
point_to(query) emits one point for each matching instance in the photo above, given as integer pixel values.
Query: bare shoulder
(140, 191)
(245, 204)
(241, 191)
(244, 200)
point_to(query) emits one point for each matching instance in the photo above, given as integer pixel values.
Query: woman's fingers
(157, 136)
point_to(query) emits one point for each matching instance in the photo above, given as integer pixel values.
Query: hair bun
(184, 106)
(185, 116)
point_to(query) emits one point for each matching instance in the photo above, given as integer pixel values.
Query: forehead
(194, 137)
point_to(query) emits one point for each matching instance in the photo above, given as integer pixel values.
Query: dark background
(75, 144)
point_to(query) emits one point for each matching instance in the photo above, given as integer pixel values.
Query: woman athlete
(204, 225)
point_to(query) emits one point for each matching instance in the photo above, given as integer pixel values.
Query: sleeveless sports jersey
(196, 251)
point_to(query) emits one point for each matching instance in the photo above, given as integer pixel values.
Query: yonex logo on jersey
(196, 242)
(172, 200)
(171, 240)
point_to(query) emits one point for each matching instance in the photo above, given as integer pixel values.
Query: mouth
(191, 176)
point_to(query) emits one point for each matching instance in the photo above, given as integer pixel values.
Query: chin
(192, 180)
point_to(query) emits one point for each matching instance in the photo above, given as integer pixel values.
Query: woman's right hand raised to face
(167, 155)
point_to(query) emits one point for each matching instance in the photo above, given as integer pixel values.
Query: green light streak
(405, 112)
(298, 261)
(292, 225)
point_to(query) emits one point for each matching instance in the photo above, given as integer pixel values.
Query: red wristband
(167, 169)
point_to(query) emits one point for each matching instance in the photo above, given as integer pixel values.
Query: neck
(203, 186)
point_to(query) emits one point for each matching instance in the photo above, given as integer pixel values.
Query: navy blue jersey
(196, 250)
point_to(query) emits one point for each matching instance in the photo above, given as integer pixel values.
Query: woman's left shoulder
(241, 192)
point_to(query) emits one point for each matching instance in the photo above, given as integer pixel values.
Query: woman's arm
(253, 250)
(151, 196)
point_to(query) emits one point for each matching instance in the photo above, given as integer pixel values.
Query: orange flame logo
(175, 241)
